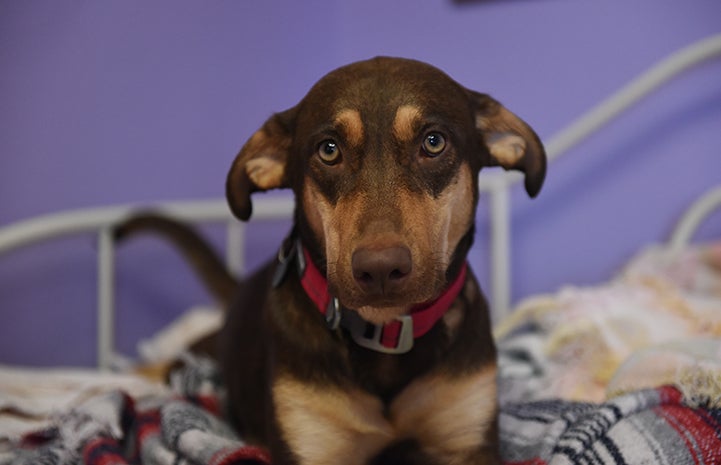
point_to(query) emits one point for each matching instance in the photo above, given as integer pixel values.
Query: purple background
(129, 101)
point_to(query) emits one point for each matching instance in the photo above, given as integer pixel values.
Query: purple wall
(115, 102)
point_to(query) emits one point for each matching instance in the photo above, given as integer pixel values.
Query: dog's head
(382, 156)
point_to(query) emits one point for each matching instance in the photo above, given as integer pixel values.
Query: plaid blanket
(651, 426)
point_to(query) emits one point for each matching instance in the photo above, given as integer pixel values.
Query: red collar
(394, 337)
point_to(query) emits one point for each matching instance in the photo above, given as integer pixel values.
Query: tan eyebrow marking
(352, 124)
(407, 116)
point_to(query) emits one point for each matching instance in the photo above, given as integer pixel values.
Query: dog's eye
(329, 152)
(434, 144)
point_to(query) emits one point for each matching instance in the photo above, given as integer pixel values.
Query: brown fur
(382, 157)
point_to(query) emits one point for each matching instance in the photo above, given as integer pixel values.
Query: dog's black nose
(381, 271)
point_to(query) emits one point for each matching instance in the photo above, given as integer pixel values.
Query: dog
(368, 340)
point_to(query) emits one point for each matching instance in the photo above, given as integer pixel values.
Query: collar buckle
(369, 336)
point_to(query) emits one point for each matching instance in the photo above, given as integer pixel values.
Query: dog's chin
(381, 315)
(382, 309)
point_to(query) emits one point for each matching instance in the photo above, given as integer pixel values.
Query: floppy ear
(511, 143)
(261, 163)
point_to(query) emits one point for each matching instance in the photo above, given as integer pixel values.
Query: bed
(624, 371)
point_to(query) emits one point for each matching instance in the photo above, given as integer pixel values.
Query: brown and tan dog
(368, 341)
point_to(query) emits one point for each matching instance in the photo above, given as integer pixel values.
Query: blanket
(626, 372)
(657, 322)
(652, 426)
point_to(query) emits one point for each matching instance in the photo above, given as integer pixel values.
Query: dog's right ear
(511, 142)
(260, 165)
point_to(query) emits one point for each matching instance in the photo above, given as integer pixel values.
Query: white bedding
(658, 322)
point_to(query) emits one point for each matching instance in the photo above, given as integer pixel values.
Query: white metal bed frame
(496, 186)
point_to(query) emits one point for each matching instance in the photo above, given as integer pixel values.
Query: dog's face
(383, 157)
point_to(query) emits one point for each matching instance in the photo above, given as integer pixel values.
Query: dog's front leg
(329, 425)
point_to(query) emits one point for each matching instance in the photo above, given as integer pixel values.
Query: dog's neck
(395, 337)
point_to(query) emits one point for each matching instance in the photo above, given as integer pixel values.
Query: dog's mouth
(382, 308)
(382, 284)
(381, 315)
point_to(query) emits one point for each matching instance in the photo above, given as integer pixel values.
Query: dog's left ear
(260, 164)
(511, 142)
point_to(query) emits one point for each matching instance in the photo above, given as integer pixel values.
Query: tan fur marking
(352, 124)
(449, 416)
(404, 122)
(381, 316)
(508, 149)
(323, 425)
(320, 218)
(506, 136)
(438, 224)
(266, 173)
(458, 201)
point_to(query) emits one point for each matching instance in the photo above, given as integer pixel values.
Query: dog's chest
(447, 416)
